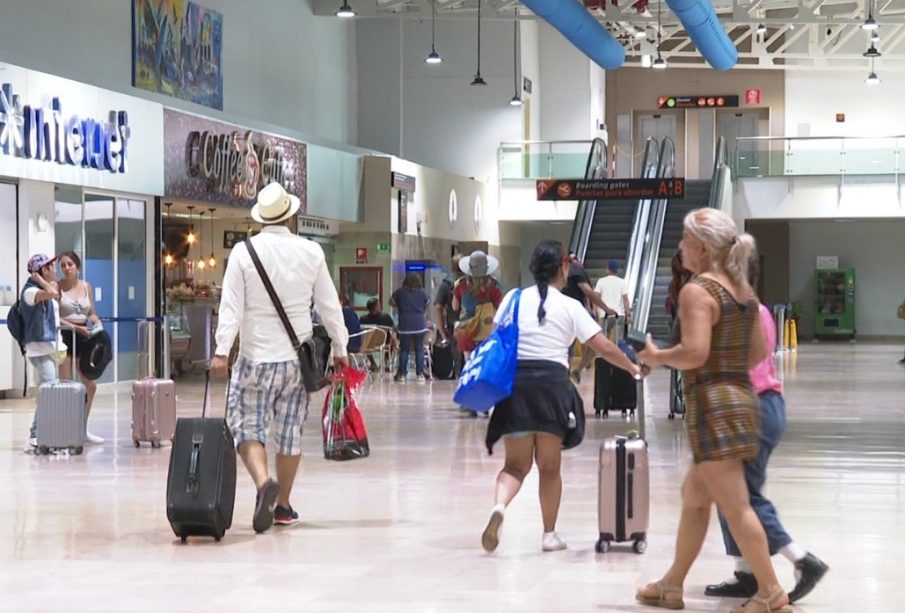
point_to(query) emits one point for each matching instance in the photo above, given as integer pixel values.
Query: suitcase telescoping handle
(191, 485)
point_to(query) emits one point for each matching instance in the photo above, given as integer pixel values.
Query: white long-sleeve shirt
(298, 272)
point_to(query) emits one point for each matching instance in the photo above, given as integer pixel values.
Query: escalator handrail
(584, 215)
(720, 168)
(650, 160)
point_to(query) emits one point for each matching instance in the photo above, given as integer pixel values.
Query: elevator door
(734, 125)
(656, 126)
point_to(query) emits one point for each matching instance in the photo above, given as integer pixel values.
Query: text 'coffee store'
(79, 171)
(212, 174)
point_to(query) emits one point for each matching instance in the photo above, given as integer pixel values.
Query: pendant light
(167, 256)
(659, 63)
(433, 57)
(212, 262)
(190, 238)
(762, 29)
(870, 23)
(345, 11)
(516, 97)
(872, 52)
(478, 79)
(872, 78)
(201, 263)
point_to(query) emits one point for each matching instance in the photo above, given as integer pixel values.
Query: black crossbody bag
(314, 352)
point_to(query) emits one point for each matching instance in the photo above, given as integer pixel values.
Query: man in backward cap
(39, 303)
(266, 390)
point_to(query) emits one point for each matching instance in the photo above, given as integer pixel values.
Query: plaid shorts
(265, 393)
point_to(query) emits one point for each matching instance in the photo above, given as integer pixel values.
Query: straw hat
(274, 205)
(479, 264)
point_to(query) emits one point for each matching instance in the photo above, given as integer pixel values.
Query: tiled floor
(400, 531)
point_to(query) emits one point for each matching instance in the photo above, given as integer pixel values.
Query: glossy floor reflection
(400, 531)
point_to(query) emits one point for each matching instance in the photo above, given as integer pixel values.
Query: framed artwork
(231, 237)
(176, 49)
(358, 284)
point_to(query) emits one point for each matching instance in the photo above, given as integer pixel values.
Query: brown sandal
(766, 603)
(660, 600)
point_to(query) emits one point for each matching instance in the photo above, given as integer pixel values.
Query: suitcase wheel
(155, 444)
(77, 450)
(183, 538)
(602, 546)
(640, 546)
(671, 415)
(137, 443)
(43, 450)
(217, 538)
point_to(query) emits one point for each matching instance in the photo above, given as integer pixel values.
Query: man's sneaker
(421, 379)
(283, 516)
(810, 569)
(744, 586)
(94, 439)
(552, 542)
(399, 378)
(30, 445)
(490, 539)
(267, 498)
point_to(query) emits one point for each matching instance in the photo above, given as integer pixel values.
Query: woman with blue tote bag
(544, 414)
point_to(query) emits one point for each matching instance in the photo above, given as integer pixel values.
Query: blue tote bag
(488, 375)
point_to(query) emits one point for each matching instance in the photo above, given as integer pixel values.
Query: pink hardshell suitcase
(153, 411)
(623, 504)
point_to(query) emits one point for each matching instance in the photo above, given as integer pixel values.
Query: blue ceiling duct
(706, 31)
(581, 29)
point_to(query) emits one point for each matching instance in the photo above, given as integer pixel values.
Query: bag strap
(273, 295)
(513, 305)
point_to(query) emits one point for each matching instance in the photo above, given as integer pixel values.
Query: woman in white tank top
(76, 312)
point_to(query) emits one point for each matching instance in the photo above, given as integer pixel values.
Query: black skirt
(543, 400)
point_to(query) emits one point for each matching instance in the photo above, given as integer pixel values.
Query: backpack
(15, 323)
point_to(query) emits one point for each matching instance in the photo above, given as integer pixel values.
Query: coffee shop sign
(235, 164)
(46, 134)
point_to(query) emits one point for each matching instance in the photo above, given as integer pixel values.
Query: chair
(373, 341)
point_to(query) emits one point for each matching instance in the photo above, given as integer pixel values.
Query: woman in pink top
(809, 569)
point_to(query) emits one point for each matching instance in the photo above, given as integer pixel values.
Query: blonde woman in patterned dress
(721, 339)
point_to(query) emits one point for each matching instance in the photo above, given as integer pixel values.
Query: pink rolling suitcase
(153, 411)
(623, 504)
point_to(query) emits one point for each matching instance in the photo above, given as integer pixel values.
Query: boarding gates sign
(57, 130)
(611, 189)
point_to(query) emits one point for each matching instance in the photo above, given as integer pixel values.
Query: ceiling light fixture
(212, 262)
(201, 262)
(640, 33)
(516, 98)
(345, 10)
(872, 78)
(875, 35)
(872, 52)
(659, 63)
(870, 23)
(433, 57)
(190, 237)
(478, 79)
(762, 28)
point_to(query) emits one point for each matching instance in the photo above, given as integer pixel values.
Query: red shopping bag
(345, 437)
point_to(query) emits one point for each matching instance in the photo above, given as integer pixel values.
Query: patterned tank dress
(723, 419)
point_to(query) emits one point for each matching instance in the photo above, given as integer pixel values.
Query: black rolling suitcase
(614, 390)
(443, 365)
(201, 485)
(676, 396)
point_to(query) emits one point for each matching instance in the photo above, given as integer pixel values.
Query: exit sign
(383, 247)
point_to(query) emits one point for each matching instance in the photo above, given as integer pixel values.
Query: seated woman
(76, 313)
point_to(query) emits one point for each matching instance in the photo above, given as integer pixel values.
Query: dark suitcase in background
(153, 411)
(201, 485)
(676, 395)
(60, 418)
(443, 365)
(614, 390)
(623, 503)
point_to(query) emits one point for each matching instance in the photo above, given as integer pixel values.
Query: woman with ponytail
(721, 338)
(544, 414)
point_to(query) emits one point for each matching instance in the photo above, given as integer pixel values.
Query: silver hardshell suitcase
(623, 505)
(60, 417)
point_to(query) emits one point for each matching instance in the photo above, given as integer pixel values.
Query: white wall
(444, 122)
(280, 65)
(565, 75)
(868, 246)
(814, 97)
(530, 67)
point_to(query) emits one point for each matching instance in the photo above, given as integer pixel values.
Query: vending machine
(835, 303)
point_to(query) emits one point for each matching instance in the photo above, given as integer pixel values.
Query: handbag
(489, 374)
(312, 353)
(345, 437)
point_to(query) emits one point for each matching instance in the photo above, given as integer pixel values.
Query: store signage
(697, 102)
(209, 161)
(401, 181)
(752, 96)
(611, 189)
(313, 226)
(47, 134)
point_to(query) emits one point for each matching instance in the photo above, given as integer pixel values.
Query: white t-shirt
(42, 348)
(565, 321)
(612, 288)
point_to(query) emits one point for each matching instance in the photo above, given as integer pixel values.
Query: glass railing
(772, 156)
(565, 159)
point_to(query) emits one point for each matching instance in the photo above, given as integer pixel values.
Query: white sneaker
(94, 439)
(30, 445)
(490, 539)
(552, 542)
(421, 379)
